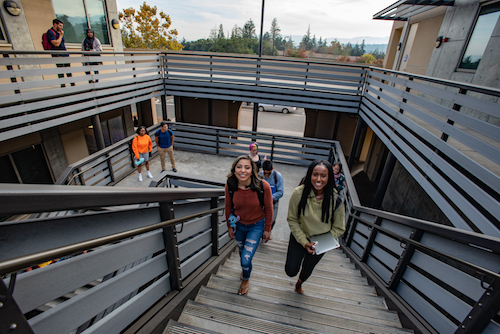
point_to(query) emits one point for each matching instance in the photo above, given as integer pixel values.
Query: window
(486, 21)
(78, 15)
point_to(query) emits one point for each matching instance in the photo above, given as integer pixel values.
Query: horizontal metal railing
(444, 280)
(446, 135)
(32, 98)
(112, 164)
(134, 256)
(301, 83)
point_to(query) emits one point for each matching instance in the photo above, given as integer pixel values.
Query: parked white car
(276, 107)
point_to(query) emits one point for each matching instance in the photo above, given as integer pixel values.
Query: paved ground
(216, 168)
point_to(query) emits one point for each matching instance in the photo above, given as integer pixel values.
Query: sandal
(243, 291)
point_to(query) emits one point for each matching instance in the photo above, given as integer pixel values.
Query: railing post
(483, 311)
(404, 260)
(214, 223)
(272, 147)
(171, 247)
(371, 240)
(351, 228)
(456, 107)
(12, 320)
(163, 96)
(217, 139)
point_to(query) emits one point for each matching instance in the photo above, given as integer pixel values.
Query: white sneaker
(150, 175)
(140, 177)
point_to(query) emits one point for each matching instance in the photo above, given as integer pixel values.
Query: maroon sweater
(247, 206)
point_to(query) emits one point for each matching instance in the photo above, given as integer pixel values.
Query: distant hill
(371, 47)
(368, 39)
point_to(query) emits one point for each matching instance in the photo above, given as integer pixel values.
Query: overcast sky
(194, 19)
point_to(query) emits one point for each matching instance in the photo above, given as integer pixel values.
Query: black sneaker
(175, 170)
(162, 171)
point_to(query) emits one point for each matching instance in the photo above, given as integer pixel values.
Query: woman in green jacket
(313, 209)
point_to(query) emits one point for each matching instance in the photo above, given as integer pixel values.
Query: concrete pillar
(54, 151)
(99, 137)
(390, 162)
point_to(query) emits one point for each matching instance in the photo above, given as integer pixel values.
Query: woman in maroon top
(245, 190)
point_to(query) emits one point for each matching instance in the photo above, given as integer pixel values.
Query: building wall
(405, 196)
(392, 46)
(457, 25)
(424, 42)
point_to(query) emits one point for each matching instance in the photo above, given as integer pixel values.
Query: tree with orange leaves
(145, 30)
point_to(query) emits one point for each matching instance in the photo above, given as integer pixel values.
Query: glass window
(488, 17)
(97, 19)
(78, 15)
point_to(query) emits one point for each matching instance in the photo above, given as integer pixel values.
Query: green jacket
(310, 222)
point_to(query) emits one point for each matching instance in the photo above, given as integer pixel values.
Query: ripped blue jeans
(248, 238)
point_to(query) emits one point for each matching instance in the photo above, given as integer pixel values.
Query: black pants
(61, 75)
(297, 257)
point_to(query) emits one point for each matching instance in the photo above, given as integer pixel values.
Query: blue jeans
(248, 238)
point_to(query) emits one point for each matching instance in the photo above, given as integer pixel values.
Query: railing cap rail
(449, 232)
(41, 198)
(456, 84)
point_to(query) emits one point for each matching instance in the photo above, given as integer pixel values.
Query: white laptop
(325, 242)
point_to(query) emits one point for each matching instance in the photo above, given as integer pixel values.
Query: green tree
(306, 40)
(275, 34)
(145, 30)
(248, 30)
(221, 32)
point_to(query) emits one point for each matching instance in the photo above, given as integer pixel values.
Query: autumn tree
(145, 30)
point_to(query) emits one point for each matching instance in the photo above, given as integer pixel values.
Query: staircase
(336, 299)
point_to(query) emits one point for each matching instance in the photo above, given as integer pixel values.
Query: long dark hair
(140, 128)
(328, 194)
(232, 180)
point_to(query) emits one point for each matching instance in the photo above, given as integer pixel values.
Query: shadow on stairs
(336, 299)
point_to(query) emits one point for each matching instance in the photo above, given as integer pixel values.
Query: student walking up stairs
(336, 299)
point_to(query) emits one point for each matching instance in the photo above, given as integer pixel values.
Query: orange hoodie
(141, 144)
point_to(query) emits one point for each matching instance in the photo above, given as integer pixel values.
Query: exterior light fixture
(12, 7)
(115, 23)
(440, 40)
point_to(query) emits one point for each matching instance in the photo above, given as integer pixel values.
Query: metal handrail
(452, 233)
(42, 198)
(16, 264)
(429, 250)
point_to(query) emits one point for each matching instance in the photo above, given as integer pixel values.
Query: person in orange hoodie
(142, 145)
